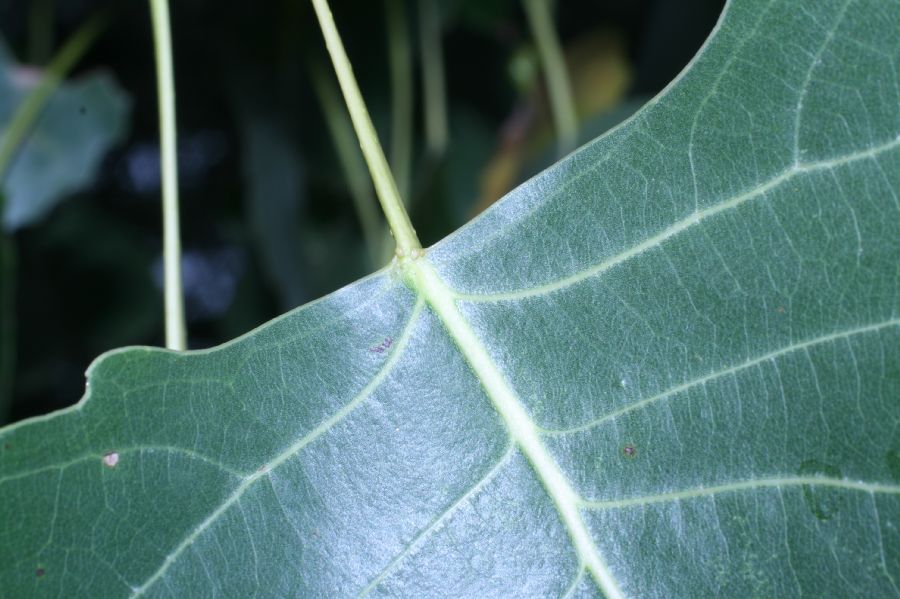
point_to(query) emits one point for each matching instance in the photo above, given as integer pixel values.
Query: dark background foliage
(267, 217)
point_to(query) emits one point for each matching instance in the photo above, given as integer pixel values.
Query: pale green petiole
(174, 301)
(385, 186)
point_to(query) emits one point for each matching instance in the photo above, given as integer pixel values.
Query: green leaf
(63, 152)
(669, 366)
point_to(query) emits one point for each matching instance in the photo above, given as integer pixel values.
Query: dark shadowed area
(272, 206)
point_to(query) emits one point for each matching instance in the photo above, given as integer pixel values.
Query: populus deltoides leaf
(668, 366)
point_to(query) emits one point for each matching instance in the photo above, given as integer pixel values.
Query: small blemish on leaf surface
(383, 346)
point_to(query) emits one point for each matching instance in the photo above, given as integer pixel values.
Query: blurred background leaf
(65, 147)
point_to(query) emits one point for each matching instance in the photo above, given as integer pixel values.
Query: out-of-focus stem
(559, 89)
(400, 59)
(433, 85)
(352, 162)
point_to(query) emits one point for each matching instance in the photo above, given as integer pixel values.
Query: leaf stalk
(385, 186)
(176, 337)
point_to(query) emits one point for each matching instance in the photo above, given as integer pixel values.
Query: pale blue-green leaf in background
(62, 153)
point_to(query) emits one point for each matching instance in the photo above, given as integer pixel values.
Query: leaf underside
(669, 366)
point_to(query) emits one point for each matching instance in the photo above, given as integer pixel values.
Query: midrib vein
(522, 428)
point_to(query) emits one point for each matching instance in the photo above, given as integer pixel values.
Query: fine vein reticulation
(437, 522)
(771, 356)
(266, 470)
(758, 191)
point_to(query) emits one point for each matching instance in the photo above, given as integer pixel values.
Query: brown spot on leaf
(383, 346)
(39, 572)
(629, 451)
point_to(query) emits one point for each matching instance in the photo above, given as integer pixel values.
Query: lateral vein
(424, 535)
(285, 455)
(746, 485)
(679, 227)
(773, 355)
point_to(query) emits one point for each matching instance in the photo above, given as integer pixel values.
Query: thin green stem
(385, 186)
(352, 162)
(176, 337)
(433, 86)
(562, 106)
(31, 107)
(400, 59)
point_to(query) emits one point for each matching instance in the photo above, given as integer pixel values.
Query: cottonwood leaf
(669, 366)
